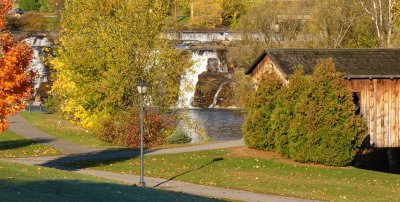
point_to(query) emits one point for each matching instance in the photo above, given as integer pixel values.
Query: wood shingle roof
(354, 63)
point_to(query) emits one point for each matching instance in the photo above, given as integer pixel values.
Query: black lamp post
(142, 89)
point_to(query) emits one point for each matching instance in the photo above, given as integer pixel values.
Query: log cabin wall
(380, 107)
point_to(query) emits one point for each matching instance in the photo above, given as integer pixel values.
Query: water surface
(219, 124)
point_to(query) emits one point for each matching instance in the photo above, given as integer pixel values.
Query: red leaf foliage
(14, 79)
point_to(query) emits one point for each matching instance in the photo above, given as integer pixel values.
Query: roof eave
(256, 62)
(373, 76)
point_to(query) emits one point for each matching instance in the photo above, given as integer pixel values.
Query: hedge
(310, 120)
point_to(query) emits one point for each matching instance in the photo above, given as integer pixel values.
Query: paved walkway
(22, 127)
(167, 184)
(78, 152)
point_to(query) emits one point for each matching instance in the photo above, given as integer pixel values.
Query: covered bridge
(372, 74)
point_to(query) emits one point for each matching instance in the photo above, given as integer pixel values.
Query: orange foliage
(14, 79)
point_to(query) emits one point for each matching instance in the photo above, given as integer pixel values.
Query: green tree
(324, 128)
(257, 127)
(106, 48)
(284, 112)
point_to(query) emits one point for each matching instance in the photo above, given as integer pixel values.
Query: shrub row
(310, 120)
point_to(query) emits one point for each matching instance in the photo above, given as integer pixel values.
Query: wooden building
(372, 74)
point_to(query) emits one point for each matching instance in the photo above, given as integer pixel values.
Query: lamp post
(142, 89)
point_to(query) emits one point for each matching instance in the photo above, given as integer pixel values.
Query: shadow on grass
(82, 190)
(186, 172)
(78, 161)
(15, 144)
(375, 159)
(92, 159)
(106, 157)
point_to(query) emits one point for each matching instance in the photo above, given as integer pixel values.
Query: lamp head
(142, 87)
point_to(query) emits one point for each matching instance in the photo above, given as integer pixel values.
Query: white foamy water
(215, 100)
(38, 44)
(190, 79)
(203, 37)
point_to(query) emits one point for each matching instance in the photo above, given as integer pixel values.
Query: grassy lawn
(263, 172)
(13, 146)
(63, 129)
(32, 183)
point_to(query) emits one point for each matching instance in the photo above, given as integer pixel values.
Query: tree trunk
(191, 10)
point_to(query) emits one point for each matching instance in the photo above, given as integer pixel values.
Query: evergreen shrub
(256, 128)
(179, 136)
(325, 129)
(282, 116)
(310, 120)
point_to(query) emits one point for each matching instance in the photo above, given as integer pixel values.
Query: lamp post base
(141, 184)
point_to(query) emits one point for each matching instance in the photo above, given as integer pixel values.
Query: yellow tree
(105, 52)
(206, 13)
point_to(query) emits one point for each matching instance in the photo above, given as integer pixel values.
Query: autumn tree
(345, 25)
(268, 24)
(207, 13)
(380, 12)
(105, 52)
(14, 79)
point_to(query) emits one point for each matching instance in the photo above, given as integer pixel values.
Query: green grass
(225, 168)
(15, 146)
(64, 129)
(32, 183)
(52, 23)
(54, 125)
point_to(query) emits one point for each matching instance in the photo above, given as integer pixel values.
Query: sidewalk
(170, 185)
(22, 127)
(76, 152)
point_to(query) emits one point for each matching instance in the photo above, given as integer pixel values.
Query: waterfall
(215, 100)
(193, 37)
(190, 79)
(37, 45)
(206, 37)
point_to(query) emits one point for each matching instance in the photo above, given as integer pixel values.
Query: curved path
(74, 152)
(22, 127)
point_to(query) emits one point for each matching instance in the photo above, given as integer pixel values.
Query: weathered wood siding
(265, 66)
(380, 106)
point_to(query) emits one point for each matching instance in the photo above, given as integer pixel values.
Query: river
(218, 124)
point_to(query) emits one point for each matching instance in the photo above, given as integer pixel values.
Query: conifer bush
(257, 127)
(179, 136)
(283, 113)
(325, 128)
(310, 120)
